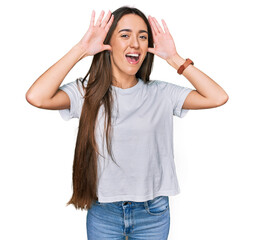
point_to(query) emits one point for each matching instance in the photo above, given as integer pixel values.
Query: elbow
(223, 100)
(32, 100)
(28, 98)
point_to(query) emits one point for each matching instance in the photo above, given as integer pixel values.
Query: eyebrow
(129, 30)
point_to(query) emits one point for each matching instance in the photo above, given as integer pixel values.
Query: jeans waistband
(133, 203)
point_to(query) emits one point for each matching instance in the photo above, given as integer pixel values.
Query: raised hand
(163, 41)
(92, 41)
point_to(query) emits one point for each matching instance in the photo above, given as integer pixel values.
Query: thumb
(107, 47)
(151, 50)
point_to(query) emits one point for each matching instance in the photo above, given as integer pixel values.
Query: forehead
(131, 21)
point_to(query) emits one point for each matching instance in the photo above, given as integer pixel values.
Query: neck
(125, 82)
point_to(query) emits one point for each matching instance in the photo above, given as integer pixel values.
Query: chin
(132, 72)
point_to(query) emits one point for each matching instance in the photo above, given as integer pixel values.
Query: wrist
(80, 50)
(176, 61)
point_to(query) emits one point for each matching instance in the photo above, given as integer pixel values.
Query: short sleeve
(178, 95)
(76, 93)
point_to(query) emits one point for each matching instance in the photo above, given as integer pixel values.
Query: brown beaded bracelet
(185, 65)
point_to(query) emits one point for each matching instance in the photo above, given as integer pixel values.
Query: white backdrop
(213, 147)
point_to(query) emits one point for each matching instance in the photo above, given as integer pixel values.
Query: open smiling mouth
(132, 58)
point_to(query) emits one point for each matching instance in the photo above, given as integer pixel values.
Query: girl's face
(129, 43)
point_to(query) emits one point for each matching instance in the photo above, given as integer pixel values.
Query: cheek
(145, 46)
(116, 56)
(118, 51)
(145, 50)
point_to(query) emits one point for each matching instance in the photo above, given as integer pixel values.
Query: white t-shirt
(142, 140)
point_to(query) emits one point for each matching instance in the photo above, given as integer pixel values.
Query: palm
(163, 47)
(93, 40)
(163, 41)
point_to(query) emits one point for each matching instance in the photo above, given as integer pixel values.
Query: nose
(134, 42)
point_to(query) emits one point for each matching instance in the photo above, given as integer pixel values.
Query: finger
(98, 23)
(109, 23)
(107, 47)
(103, 24)
(151, 50)
(158, 26)
(152, 25)
(165, 27)
(155, 30)
(92, 19)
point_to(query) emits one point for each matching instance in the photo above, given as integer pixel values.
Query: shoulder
(157, 84)
(166, 85)
(80, 85)
(75, 88)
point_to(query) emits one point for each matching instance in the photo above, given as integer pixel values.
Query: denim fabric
(149, 220)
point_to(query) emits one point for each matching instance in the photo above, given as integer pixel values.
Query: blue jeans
(149, 220)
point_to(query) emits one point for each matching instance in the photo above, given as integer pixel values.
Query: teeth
(132, 55)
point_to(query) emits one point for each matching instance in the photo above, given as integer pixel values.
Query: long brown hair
(99, 92)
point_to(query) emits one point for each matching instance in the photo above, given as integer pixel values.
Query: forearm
(202, 83)
(48, 83)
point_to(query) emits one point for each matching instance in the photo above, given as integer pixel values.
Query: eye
(124, 35)
(144, 37)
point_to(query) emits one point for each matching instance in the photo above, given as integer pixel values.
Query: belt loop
(146, 204)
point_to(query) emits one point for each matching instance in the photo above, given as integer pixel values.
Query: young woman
(123, 170)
